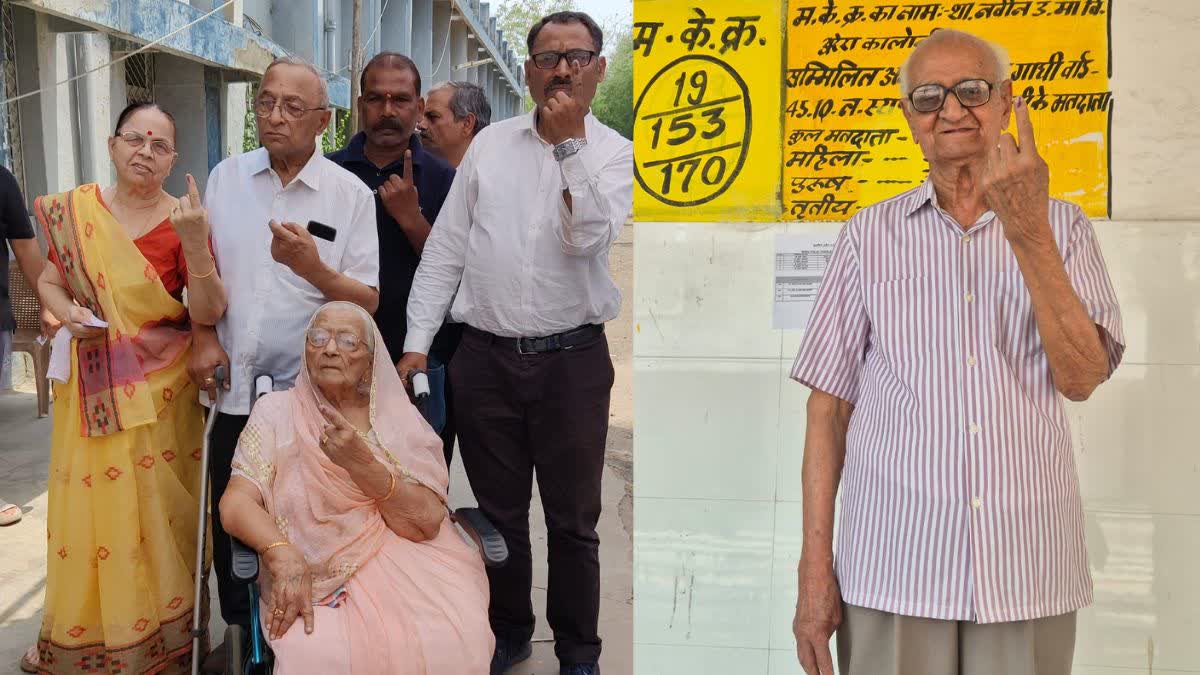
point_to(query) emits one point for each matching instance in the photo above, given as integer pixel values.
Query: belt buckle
(521, 347)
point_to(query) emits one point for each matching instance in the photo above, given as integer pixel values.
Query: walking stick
(198, 631)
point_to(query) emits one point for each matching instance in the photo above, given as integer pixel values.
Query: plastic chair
(28, 310)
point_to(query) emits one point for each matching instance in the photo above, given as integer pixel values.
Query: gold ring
(278, 612)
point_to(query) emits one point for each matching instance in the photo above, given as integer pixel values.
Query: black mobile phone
(321, 230)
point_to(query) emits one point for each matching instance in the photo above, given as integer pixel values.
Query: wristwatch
(568, 147)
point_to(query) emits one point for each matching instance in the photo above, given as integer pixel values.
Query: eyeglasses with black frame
(972, 93)
(550, 60)
(319, 337)
(290, 109)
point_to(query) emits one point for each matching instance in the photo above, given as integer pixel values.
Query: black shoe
(508, 654)
(592, 668)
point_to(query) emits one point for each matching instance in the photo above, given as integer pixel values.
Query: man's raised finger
(408, 170)
(1025, 138)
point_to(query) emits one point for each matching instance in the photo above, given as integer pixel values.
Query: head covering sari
(316, 504)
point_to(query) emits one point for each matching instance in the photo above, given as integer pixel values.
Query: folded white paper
(59, 369)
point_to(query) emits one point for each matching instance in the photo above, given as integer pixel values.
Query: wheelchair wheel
(235, 656)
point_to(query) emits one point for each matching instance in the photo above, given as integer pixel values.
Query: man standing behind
(523, 239)
(412, 185)
(276, 273)
(455, 112)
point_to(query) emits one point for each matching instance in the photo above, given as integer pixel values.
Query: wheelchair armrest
(491, 543)
(245, 562)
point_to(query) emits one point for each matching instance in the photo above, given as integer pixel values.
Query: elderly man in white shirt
(521, 247)
(276, 273)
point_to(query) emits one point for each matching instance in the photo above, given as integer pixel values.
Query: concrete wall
(719, 426)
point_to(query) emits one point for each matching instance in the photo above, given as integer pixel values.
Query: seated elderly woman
(340, 485)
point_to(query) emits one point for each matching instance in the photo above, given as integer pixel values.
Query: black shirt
(14, 224)
(398, 261)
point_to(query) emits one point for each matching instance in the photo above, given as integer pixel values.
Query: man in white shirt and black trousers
(521, 248)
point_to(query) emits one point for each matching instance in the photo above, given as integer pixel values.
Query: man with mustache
(411, 184)
(520, 255)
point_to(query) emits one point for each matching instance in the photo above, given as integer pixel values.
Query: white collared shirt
(521, 263)
(269, 305)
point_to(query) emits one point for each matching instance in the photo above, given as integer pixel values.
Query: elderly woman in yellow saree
(125, 447)
(340, 485)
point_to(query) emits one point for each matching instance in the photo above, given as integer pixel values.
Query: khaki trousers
(870, 642)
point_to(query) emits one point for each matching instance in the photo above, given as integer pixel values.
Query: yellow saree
(124, 460)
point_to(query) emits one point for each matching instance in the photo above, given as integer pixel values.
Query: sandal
(29, 662)
(10, 514)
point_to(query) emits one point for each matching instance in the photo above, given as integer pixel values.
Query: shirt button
(966, 239)
(970, 297)
(974, 428)
(971, 361)
(976, 503)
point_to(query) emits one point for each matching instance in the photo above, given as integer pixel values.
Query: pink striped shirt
(959, 494)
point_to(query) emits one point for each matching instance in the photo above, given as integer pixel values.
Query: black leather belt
(549, 343)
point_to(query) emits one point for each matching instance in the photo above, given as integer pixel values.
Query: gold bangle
(204, 276)
(391, 489)
(278, 543)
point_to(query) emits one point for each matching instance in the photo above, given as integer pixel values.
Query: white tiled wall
(718, 445)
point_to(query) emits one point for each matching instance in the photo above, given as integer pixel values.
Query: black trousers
(234, 595)
(522, 414)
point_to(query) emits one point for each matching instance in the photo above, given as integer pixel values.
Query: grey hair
(290, 60)
(468, 99)
(948, 35)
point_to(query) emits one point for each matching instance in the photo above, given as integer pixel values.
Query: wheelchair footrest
(494, 549)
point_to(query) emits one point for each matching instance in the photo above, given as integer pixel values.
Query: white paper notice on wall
(800, 263)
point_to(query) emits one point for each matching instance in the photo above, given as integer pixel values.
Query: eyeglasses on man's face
(972, 93)
(291, 109)
(575, 57)
(346, 341)
(159, 147)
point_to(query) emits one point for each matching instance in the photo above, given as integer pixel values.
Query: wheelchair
(248, 654)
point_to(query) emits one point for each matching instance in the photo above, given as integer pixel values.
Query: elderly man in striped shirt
(952, 322)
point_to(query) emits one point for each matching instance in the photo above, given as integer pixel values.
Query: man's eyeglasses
(291, 110)
(157, 146)
(929, 98)
(319, 337)
(574, 57)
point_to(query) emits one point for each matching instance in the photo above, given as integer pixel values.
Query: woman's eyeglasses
(929, 98)
(157, 146)
(574, 57)
(290, 109)
(319, 337)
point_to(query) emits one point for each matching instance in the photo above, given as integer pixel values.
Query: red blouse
(162, 248)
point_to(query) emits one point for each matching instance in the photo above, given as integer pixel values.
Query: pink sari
(402, 607)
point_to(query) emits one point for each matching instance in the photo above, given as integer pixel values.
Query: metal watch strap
(568, 147)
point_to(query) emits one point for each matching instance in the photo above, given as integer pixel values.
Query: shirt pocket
(1014, 331)
(900, 310)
